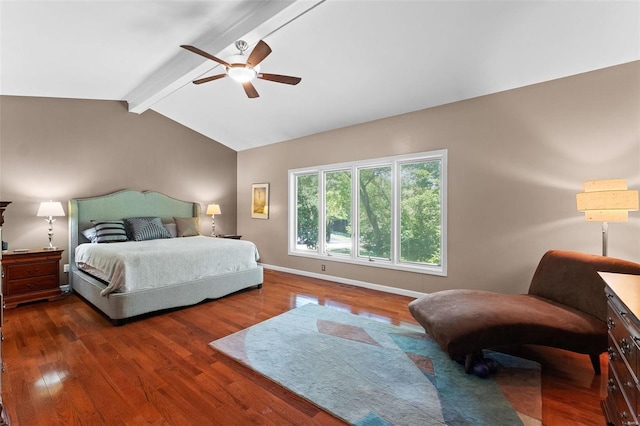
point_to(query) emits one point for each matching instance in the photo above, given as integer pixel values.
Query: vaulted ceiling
(359, 60)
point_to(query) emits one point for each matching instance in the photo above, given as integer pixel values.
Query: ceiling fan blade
(250, 90)
(280, 78)
(261, 51)
(208, 79)
(205, 54)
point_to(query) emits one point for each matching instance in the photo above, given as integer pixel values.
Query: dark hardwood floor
(67, 365)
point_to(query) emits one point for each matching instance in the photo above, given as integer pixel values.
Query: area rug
(369, 372)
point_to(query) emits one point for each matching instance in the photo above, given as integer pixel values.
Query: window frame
(395, 162)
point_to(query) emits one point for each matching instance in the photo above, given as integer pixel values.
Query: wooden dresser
(622, 405)
(4, 418)
(31, 275)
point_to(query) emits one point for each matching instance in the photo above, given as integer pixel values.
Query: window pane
(374, 212)
(307, 212)
(420, 212)
(338, 212)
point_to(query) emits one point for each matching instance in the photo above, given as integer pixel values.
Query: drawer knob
(611, 323)
(629, 384)
(611, 385)
(612, 354)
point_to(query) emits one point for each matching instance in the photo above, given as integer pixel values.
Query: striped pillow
(109, 231)
(146, 228)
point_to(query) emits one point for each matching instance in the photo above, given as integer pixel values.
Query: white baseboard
(394, 290)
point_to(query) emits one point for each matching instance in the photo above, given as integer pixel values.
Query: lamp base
(49, 248)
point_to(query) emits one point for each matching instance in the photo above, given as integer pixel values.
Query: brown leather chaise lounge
(565, 308)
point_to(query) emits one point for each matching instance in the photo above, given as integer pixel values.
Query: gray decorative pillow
(171, 227)
(107, 231)
(90, 234)
(146, 228)
(187, 226)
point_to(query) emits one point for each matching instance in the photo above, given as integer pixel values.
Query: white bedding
(136, 265)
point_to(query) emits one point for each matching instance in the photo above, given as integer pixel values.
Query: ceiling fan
(244, 71)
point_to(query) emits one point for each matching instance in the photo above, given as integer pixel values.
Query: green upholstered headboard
(121, 205)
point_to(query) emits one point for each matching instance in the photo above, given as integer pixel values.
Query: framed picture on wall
(260, 201)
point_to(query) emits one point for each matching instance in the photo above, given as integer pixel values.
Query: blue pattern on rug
(371, 373)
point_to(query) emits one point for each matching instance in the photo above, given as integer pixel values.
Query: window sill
(375, 263)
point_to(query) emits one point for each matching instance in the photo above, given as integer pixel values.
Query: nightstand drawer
(29, 285)
(30, 270)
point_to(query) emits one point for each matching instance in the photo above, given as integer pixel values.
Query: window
(388, 212)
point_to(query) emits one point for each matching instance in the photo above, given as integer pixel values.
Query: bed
(120, 302)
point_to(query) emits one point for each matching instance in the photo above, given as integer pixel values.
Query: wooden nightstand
(31, 275)
(232, 236)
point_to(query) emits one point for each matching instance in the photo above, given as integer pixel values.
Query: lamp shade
(213, 209)
(607, 200)
(50, 208)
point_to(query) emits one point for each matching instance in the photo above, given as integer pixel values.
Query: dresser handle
(611, 386)
(612, 354)
(625, 347)
(611, 323)
(629, 384)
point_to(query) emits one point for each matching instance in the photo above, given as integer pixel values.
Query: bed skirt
(118, 306)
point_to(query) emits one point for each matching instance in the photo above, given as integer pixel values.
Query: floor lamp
(606, 201)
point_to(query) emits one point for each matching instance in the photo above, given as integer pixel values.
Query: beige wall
(62, 148)
(516, 161)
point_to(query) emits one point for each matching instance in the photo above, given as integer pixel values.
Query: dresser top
(626, 287)
(7, 253)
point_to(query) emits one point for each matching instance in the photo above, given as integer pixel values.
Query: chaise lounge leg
(595, 361)
(468, 363)
(470, 360)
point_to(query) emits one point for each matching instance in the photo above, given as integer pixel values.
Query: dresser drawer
(622, 412)
(29, 270)
(625, 336)
(625, 379)
(29, 285)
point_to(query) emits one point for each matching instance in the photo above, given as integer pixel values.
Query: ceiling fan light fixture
(241, 73)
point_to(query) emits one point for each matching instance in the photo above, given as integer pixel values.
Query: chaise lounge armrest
(565, 308)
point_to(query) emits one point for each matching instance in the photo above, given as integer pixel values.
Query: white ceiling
(359, 60)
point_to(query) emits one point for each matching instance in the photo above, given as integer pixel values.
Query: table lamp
(48, 210)
(213, 210)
